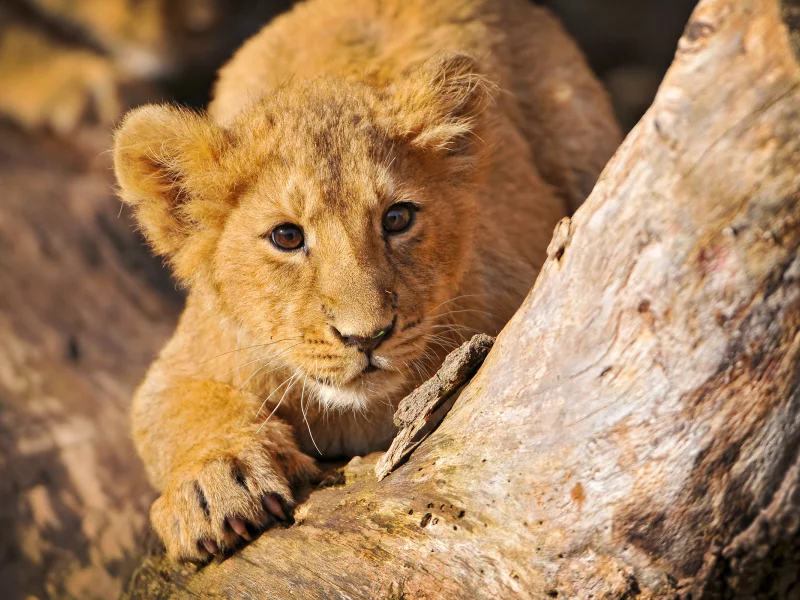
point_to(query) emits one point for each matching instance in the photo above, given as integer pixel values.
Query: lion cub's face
(330, 220)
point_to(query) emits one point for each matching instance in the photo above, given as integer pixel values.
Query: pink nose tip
(366, 343)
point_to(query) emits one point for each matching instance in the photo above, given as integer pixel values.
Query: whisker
(260, 408)
(264, 366)
(430, 361)
(304, 411)
(419, 372)
(454, 326)
(286, 391)
(464, 310)
(255, 360)
(248, 348)
(425, 373)
(455, 299)
(445, 344)
(443, 336)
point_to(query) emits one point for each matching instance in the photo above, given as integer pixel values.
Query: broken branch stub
(415, 410)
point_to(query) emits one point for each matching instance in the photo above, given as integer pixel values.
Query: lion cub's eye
(398, 217)
(287, 237)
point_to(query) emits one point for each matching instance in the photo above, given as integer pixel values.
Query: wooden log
(83, 310)
(635, 430)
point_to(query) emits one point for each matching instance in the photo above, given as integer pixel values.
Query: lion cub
(374, 180)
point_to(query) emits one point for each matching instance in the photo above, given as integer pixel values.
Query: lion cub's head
(330, 218)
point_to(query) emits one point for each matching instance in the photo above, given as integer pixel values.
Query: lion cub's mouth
(373, 366)
(376, 380)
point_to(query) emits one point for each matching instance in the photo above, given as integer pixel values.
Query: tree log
(635, 430)
(83, 310)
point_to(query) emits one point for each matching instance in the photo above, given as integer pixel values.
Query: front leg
(221, 470)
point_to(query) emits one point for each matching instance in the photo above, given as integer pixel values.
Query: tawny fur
(481, 112)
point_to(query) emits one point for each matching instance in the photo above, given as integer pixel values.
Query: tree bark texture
(417, 410)
(83, 309)
(634, 432)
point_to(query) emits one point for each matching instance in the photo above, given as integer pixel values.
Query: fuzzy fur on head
(329, 156)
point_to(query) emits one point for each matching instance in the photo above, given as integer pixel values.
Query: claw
(274, 507)
(211, 546)
(239, 526)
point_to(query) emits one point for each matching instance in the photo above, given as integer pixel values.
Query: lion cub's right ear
(168, 165)
(436, 107)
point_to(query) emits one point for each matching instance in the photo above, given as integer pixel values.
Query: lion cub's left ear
(437, 107)
(168, 163)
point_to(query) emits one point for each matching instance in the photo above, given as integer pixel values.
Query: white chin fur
(332, 397)
(383, 363)
(358, 397)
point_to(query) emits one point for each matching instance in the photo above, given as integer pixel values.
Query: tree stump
(635, 430)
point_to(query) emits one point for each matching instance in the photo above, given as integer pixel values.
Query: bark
(83, 309)
(635, 430)
(416, 410)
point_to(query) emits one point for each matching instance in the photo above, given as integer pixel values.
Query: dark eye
(287, 237)
(398, 217)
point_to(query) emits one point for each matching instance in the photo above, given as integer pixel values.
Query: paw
(217, 504)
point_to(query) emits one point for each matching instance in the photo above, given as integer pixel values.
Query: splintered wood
(416, 409)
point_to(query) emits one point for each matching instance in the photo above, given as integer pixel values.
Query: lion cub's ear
(168, 165)
(438, 105)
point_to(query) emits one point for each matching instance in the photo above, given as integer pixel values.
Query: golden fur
(482, 113)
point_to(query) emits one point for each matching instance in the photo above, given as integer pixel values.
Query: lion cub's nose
(365, 343)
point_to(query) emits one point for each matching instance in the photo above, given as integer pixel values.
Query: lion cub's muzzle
(366, 343)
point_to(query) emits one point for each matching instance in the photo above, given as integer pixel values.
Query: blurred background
(83, 308)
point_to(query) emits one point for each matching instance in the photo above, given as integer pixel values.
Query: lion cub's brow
(334, 185)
